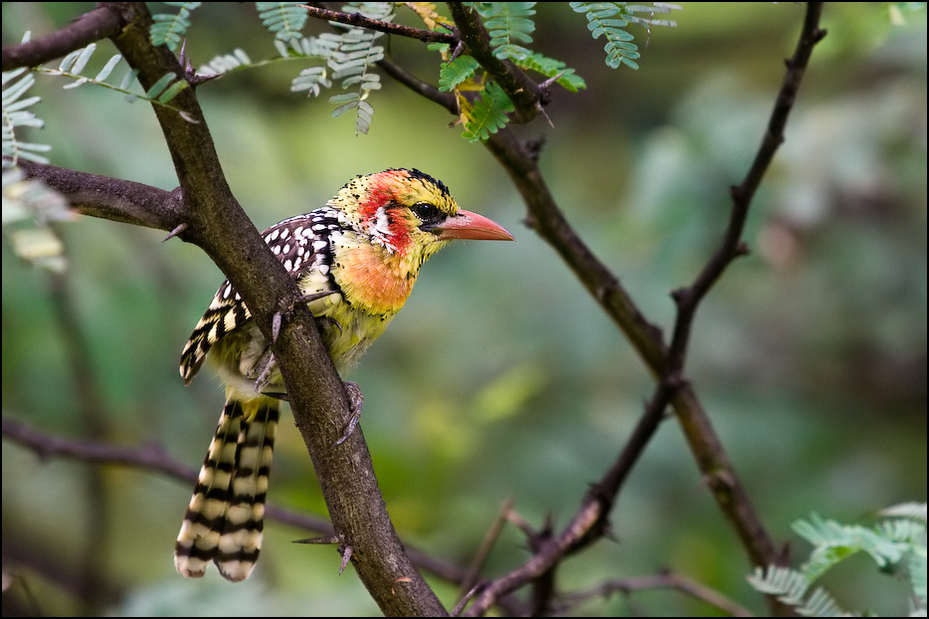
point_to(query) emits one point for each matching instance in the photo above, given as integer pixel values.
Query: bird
(355, 261)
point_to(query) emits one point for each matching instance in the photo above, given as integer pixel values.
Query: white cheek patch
(382, 234)
(382, 223)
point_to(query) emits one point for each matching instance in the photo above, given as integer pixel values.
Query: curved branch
(731, 246)
(101, 23)
(111, 198)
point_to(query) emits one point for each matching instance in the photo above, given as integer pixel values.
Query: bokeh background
(502, 379)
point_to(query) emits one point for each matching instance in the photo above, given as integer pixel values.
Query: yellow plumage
(356, 261)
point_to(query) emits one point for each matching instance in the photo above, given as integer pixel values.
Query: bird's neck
(376, 279)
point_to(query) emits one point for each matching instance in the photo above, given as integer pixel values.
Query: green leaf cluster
(620, 50)
(352, 62)
(15, 107)
(510, 26)
(284, 19)
(488, 114)
(170, 29)
(350, 55)
(16, 114)
(508, 22)
(166, 88)
(897, 545)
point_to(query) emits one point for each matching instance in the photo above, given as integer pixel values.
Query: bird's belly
(347, 333)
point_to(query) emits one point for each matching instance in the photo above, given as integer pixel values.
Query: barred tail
(224, 520)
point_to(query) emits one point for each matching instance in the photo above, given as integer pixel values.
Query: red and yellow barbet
(355, 261)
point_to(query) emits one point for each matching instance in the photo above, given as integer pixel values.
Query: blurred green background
(502, 378)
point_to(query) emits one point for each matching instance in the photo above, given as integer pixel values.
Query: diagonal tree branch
(519, 159)
(203, 211)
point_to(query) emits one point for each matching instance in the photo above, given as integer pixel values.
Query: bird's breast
(373, 279)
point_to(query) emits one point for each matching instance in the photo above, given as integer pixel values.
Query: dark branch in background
(94, 452)
(152, 458)
(668, 580)
(101, 23)
(91, 408)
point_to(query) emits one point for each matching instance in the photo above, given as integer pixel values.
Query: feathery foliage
(508, 22)
(225, 63)
(488, 114)
(350, 54)
(170, 29)
(620, 50)
(897, 544)
(29, 205)
(15, 107)
(352, 62)
(71, 66)
(453, 74)
(510, 26)
(16, 114)
(284, 19)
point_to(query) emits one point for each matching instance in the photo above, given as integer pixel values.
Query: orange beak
(468, 225)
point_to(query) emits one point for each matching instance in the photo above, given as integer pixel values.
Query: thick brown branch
(316, 393)
(101, 23)
(111, 198)
(214, 221)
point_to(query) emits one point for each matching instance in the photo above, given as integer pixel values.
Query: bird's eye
(427, 213)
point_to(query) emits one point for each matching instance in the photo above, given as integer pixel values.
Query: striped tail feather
(224, 519)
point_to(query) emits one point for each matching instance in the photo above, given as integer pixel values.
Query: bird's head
(410, 213)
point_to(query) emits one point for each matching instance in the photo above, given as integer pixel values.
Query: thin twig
(357, 19)
(490, 538)
(670, 580)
